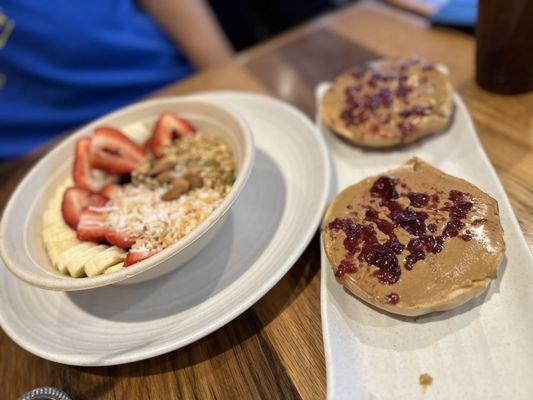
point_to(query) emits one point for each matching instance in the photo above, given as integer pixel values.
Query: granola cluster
(201, 155)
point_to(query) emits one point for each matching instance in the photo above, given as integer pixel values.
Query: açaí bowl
(21, 244)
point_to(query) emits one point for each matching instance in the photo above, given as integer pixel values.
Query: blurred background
(66, 62)
(247, 22)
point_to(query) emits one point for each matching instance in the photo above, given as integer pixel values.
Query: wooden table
(274, 350)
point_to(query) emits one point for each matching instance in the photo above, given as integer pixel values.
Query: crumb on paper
(425, 380)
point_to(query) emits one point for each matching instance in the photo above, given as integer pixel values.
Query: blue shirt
(65, 62)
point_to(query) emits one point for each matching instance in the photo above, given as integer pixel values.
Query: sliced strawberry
(75, 201)
(110, 190)
(81, 172)
(136, 255)
(92, 226)
(123, 240)
(114, 152)
(168, 127)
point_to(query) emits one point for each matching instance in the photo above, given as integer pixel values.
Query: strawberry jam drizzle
(392, 298)
(479, 221)
(373, 91)
(362, 237)
(418, 199)
(346, 267)
(360, 106)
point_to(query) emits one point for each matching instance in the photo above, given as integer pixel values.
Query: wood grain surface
(274, 350)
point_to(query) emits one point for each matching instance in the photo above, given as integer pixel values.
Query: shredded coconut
(140, 211)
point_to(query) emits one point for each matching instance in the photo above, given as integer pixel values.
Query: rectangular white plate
(481, 350)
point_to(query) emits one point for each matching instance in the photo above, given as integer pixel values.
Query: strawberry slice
(123, 240)
(168, 127)
(81, 172)
(114, 152)
(136, 255)
(92, 226)
(110, 190)
(75, 201)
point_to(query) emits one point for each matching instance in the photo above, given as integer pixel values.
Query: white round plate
(266, 231)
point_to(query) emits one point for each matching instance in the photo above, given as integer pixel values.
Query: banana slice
(57, 199)
(58, 230)
(104, 260)
(58, 235)
(114, 268)
(57, 247)
(76, 266)
(72, 254)
(50, 217)
(55, 203)
(52, 241)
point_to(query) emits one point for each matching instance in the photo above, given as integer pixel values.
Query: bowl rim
(67, 283)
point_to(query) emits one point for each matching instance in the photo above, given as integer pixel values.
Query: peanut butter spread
(413, 237)
(389, 102)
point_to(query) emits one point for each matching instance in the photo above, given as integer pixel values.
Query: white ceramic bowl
(21, 244)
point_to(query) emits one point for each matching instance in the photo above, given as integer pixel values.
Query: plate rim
(286, 265)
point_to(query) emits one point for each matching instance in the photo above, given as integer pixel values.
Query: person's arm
(192, 26)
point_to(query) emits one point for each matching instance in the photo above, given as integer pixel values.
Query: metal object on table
(45, 393)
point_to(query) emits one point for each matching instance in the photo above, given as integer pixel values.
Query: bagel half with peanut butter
(414, 240)
(389, 103)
